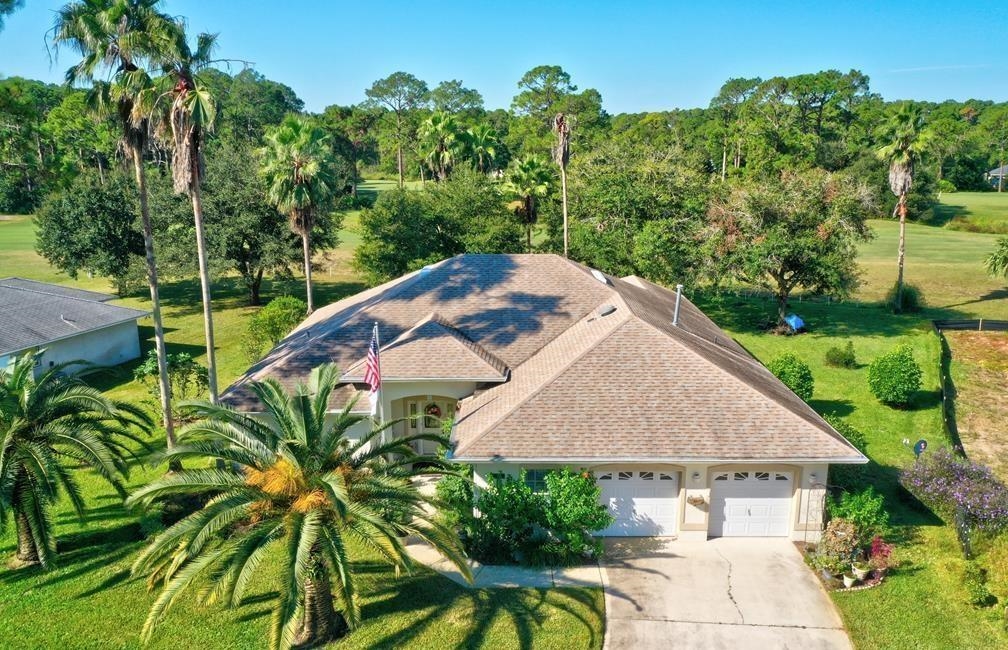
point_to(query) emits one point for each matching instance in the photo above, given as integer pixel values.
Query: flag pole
(381, 386)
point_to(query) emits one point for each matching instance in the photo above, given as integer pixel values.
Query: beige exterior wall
(695, 482)
(109, 346)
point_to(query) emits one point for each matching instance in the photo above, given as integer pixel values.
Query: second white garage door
(645, 502)
(751, 504)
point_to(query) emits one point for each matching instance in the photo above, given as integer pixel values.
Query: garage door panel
(751, 504)
(643, 502)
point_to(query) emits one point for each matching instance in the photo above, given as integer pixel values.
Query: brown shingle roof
(582, 385)
(433, 349)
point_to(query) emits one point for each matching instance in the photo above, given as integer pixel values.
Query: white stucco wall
(695, 480)
(108, 346)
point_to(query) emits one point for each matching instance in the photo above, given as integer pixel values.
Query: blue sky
(645, 56)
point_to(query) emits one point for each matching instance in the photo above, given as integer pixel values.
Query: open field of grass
(923, 605)
(972, 211)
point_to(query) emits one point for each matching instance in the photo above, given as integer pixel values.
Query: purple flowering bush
(948, 484)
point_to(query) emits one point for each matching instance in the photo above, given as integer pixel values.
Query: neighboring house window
(536, 479)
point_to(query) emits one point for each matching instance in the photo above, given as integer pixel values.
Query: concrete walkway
(723, 593)
(485, 576)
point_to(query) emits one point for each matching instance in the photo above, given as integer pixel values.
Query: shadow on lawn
(433, 597)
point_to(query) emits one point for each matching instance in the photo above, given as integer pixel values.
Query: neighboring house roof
(999, 171)
(433, 350)
(594, 369)
(35, 314)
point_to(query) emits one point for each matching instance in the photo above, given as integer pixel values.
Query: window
(721, 477)
(605, 477)
(665, 477)
(412, 415)
(625, 476)
(741, 476)
(762, 476)
(536, 479)
(781, 477)
(647, 476)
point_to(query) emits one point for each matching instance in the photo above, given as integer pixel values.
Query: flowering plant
(880, 557)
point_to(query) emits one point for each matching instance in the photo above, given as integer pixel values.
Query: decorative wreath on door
(433, 410)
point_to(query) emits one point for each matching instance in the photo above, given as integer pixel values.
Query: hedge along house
(542, 363)
(70, 324)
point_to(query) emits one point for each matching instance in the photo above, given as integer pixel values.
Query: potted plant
(860, 567)
(849, 579)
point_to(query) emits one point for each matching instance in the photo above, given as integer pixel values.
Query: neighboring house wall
(109, 346)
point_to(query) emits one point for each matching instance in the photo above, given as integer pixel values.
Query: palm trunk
(197, 206)
(27, 552)
(152, 280)
(563, 196)
(901, 253)
(724, 159)
(321, 622)
(306, 244)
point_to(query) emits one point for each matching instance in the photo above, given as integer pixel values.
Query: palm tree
(561, 156)
(440, 140)
(482, 141)
(303, 488)
(298, 165)
(907, 140)
(529, 180)
(47, 421)
(120, 37)
(191, 115)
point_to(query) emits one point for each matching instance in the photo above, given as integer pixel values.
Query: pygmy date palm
(50, 425)
(299, 491)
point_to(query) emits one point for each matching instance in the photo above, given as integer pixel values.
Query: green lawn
(973, 211)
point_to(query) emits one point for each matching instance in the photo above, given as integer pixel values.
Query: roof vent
(678, 299)
(605, 310)
(600, 276)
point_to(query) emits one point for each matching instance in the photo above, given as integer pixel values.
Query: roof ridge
(543, 382)
(60, 295)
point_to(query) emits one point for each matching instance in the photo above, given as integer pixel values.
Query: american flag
(372, 371)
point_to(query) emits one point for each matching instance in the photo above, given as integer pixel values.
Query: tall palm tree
(529, 180)
(46, 423)
(906, 142)
(440, 141)
(120, 37)
(302, 487)
(298, 166)
(483, 141)
(191, 114)
(561, 156)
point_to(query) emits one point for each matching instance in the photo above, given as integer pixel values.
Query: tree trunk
(321, 623)
(724, 159)
(399, 158)
(782, 296)
(201, 253)
(901, 253)
(1001, 171)
(353, 171)
(306, 244)
(27, 552)
(563, 195)
(254, 288)
(152, 281)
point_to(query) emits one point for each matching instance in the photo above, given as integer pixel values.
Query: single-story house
(70, 324)
(995, 176)
(541, 363)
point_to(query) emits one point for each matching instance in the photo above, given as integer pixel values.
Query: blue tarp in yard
(795, 322)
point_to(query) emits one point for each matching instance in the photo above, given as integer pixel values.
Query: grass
(92, 584)
(972, 211)
(922, 605)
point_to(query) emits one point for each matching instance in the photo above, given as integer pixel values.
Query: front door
(428, 416)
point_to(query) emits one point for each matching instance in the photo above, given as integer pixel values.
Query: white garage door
(751, 504)
(644, 502)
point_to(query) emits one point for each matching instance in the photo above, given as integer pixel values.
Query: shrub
(271, 323)
(895, 376)
(913, 299)
(975, 581)
(837, 547)
(949, 485)
(841, 357)
(188, 379)
(865, 509)
(946, 187)
(456, 495)
(555, 528)
(795, 374)
(880, 557)
(848, 477)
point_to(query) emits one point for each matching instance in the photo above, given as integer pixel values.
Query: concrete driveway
(723, 593)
